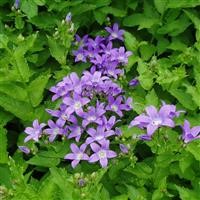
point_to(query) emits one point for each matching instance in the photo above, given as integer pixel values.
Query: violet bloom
(93, 79)
(190, 134)
(75, 104)
(77, 155)
(16, 4)
(115, 32)
(81, 41)
(134, 82)
(116, 105)
(123, 148)
(153, 120)
(101, 153)
(68, 17)
(54, 130)
(62, 116)
(58, 92)
(80, 55)
(24, 149)
(96, 43)
(35, 132)
(122, 55)
(108, 124)
(112, 70)
(72, 83)
(93, 115)
(98, 135)
(76, 132)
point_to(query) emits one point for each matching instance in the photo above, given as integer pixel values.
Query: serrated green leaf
(29, 7)
(57, 51)
(36, 89)
(21, 109)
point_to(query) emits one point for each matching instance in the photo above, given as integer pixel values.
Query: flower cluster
(91, 107)
(154, 119)
(101, 53)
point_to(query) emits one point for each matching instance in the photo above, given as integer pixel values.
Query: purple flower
(24, 149)
(81, 41)
(98, 135)
(93, 115)
(190, 134)
(115, 32)
(134, 82)
(123, 148)
(62, 116)
(68, 17)
(76, 132)
(75, 104)
(54, 130)
(108, 124)
(101, 153)
(96, 43)
(34, 132)
(16, 4)
(77, 155)
(153, 119)
(80, 55)
(122, 56)
(117, 106)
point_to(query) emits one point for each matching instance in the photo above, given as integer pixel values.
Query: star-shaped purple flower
(115, 32)
(77, 155)
(54, 130)
(80, 55)
(76, 132)
(75, 104)
(153, 120)
(35, 132)
(101, 153)
(190, 134)
(99, 134)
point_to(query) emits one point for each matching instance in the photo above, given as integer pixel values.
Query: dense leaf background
(35, 53)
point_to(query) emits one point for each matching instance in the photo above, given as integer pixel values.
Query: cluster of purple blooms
(102, 54)
(91, 107)
(154, 119)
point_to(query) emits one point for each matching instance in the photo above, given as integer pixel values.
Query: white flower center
(114, 35)
(121, 58)
(91, 118)
(56, 131)
(79, 156)
(99, 137)
(102, 154)
(77, 105)
(157, 121)
(114, 108)
(64, 117)
(78, 130)
(80, 56)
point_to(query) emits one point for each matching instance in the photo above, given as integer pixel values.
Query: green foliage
(36, 51)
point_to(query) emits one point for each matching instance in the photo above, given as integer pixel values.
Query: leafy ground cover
(99, 99)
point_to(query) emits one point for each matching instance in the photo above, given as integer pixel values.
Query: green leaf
(183, 3)
(21, 109)
(36, 89)
(114, 11)
(147, 51)
(99, 16)
(175, 27)
(43, 161)
(14, 91)
(194, 149)
(160, 5)
(29, 7)
(57, 51)
(152, 98)
(184, 98)
(140, 20)
(131, 42)
(3, 146)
